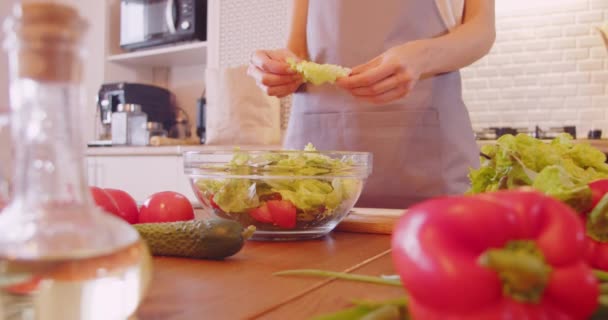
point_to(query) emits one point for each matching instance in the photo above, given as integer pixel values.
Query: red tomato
(26, 287)
(126, 205)
(261, 214)
(283, 213)
(213, 204)
(104, 200)
(166, 206)
(598, 189)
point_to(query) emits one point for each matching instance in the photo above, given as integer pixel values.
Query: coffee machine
(158, 103)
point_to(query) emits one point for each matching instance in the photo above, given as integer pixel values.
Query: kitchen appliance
(201, 127)
(493, 133)
(181, 128)
(148, 23)
(158, 104)
(129, 126)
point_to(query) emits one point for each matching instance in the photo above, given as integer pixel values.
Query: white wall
(548, 67)
(94, 12)
(5, 9)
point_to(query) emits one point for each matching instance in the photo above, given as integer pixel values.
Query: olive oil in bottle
(61, 257)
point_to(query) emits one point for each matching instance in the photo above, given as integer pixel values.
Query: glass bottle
(60, 256)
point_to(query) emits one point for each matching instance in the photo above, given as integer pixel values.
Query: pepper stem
(597, 222)
(521, 268)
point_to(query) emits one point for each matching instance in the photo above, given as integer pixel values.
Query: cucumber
(198, 239)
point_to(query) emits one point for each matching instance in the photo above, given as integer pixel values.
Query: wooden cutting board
(368, 220)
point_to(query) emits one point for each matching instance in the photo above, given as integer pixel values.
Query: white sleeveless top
(451, 12)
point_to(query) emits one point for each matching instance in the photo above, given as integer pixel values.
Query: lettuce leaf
(318, 74)
(311, 191)
(237, 195)
(561, 168)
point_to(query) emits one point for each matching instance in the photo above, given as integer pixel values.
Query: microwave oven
(149, 23)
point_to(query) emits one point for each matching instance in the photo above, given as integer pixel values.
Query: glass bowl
(286, 195)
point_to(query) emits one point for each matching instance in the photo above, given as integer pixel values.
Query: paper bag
(238, 112)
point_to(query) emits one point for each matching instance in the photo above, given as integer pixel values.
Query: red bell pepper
(503, 255)
(597, 227)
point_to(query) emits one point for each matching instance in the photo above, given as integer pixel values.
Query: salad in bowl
(286, 195)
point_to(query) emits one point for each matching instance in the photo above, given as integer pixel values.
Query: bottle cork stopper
(45, 37)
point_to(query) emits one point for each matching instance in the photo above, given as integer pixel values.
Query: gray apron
(423, 145)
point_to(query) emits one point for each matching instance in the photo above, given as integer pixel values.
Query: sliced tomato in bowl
(261, 214)
(283, 213)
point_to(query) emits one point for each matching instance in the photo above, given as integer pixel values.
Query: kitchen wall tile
(599, 53)
(577, 77)
(551, 102)
(537, 45)
(548, 32)
(563, 67)
(501, 82)
(600, 102)
(550, 68)
(589, 41)
(591, 89)
(491, 95)
(577, 30)
(564, 115)
(535, 115)
(551, 79)
(599, 4)
(586, 17)
(599, 77)
(565, 43)
(486, 72)
(590, 65)
(532, 69)
(576, 54)
(562, 19)
(523, 105)
(577, 103)
(591, 114)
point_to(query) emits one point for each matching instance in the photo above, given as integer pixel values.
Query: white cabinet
(140, 176)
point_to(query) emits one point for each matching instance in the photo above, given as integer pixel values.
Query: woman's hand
(389, 76)
(270, 70)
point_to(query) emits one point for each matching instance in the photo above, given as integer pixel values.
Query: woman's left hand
(389, 76)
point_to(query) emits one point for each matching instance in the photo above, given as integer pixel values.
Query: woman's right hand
(273, 74)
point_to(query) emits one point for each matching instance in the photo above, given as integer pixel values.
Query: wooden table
(243, 287)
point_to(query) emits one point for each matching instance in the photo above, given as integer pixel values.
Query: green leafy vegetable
(561, 168)
(322, 185)
(318, 74)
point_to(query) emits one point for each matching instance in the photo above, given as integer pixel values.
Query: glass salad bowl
(286, 195)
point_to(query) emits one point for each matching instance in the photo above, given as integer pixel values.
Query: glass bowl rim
(360, 170)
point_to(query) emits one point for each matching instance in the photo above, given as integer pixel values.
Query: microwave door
(145, 20)
(171, 16)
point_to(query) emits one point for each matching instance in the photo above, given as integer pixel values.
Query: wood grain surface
(243, 286)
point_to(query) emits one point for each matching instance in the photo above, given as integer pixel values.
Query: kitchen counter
(166, 150)
(243, 287)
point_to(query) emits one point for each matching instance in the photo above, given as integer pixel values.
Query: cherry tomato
(104, 200)
(261, 214)
(283, 213)
(167, 206)
(126, 205)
